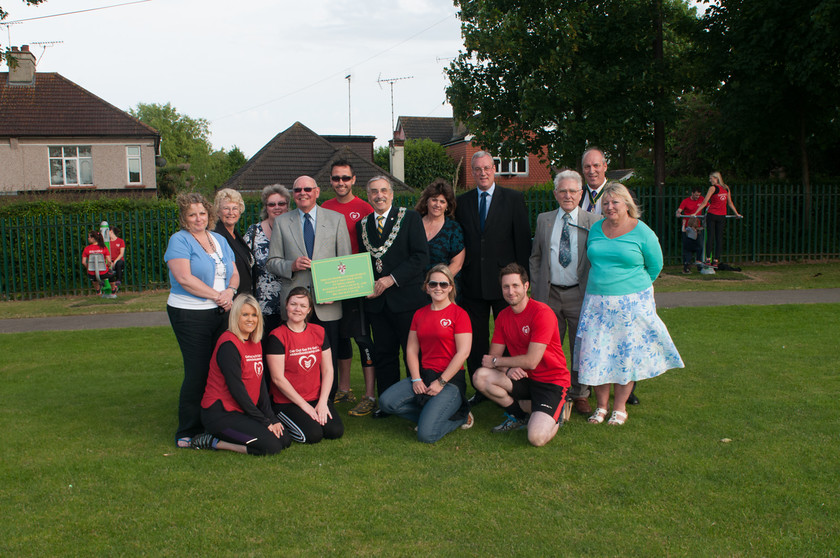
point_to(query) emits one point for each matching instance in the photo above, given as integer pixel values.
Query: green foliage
(382, 157)
(87, 207)
(425, 161)
(561, 73)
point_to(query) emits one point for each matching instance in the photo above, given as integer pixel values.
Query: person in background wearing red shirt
(97, 246)
(717, 198)
(434, 394)
(235, 408)
(353, 322)
(117, 254)
(534, 379)
(301, 366)
(692, 245)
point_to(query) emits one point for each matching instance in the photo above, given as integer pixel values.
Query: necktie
(482, 210)
(380, 223)
(308, 234)
(589, 202)
(565, 245)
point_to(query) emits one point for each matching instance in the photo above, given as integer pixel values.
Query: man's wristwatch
(442, 382)
(494, 362)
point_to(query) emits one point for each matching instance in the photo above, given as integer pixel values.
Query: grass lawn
(736, 455)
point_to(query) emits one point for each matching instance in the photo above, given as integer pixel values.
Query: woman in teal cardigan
(620, 338)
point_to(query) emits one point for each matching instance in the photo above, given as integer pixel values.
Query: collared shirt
(594, 192)
(312, 213)
(564, 276)
(490, 192)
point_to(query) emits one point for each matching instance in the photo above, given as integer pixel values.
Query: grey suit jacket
(541, 252)
(331, 240)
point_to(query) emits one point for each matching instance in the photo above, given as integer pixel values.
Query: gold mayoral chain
(377, 253)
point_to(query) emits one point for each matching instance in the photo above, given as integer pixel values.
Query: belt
(565, 287)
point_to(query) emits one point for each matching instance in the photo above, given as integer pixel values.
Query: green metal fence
(41, 256)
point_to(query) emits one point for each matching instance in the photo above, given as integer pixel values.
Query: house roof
(55, 106)
(438, 129)
(298, 151)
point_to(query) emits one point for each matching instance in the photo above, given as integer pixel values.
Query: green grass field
(89, 466)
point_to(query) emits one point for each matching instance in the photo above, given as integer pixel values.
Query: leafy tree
(3, 15)
(777, 82)
(425, 160)
(562, 73)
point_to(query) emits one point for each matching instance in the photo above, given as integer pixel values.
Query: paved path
(663, 300)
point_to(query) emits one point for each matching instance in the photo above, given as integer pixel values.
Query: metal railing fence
(41, 256)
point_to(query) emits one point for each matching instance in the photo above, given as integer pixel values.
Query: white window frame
(70, 157)
(129, 157)
(517, 166)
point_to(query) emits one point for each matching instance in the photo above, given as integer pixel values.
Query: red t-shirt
(436, 331)
(95, 249)
(116, 245)
(687, 207)
(252, 374)
(536, 323)
(303, 360)
(353, 212)
(717, 203)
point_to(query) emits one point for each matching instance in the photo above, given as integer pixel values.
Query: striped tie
(380, 223)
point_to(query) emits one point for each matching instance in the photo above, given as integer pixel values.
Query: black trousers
(714, 235)
(479, 311)
(197, 332)
(390, 333)
(239, 428)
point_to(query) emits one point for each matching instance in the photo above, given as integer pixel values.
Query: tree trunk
(806, 173)
(659, 128)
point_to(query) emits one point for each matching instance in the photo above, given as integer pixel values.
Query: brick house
(56, 136)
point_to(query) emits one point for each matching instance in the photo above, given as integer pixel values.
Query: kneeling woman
(300, 361)
(235, 408)
(434, 396)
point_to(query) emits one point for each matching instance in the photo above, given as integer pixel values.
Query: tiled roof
(299, 151)
(55, 106)
(438, 129)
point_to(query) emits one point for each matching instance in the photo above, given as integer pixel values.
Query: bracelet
(415, 380)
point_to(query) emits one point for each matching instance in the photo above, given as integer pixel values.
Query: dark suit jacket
(242, 254)
(405, 260)
(506, 239)
(541, 252)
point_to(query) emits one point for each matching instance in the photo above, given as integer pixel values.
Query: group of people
(440, 270)
(113, 254)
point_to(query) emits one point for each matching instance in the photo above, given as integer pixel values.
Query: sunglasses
(277, 204)
(436, 284)
(341, 178)
(306, 189)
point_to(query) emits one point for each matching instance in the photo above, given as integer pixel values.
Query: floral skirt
(620, 339)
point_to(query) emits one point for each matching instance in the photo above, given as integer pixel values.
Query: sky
(252, 68)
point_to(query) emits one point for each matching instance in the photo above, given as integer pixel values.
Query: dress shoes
(632, 400)
(582, 407)
(380, 414)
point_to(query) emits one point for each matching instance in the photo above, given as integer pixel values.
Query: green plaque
(343, 277)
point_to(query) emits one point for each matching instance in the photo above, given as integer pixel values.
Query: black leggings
(303, 429)
(714, 235)
(239, 428)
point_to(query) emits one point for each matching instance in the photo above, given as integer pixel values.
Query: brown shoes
(582, 406)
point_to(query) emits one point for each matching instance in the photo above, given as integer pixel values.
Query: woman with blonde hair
(718, 197)
(229, 207)
(235, 408)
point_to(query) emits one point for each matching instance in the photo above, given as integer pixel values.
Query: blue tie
(308, 234)
(482, 210)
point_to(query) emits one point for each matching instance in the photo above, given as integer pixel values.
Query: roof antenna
(390, 81)
(44, 45)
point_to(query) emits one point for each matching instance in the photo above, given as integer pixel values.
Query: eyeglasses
(306, 189)
(341, 178)
(567, 192)
(485, 169)
(277, 204)
(436, 284)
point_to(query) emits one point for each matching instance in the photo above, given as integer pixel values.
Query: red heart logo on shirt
(445, 322)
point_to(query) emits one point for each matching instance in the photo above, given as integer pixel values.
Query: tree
(425, 161)
(562, 74)
(3, 15)
(777, 81)
(185, 144)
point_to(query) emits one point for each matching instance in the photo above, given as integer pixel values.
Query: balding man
(594, 165)
(300, 236)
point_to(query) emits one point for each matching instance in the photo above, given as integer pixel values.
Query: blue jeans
(432, 418)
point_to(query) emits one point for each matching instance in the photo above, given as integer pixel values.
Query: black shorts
(545, 398)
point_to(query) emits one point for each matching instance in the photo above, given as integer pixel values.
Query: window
(132, 157)
(511, 166)
(71, 165)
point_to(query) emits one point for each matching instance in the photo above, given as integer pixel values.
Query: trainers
(470, 422)
(204, 441)
(510, 423)
(342, 396)
(364, 408)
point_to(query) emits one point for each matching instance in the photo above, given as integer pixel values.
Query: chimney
(21, 66)
(397, 149)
